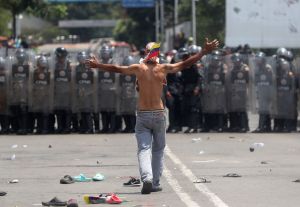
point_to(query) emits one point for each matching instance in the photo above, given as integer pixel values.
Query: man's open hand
(210, 46)
(92, 62)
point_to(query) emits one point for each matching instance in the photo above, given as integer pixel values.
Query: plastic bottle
(256, 145)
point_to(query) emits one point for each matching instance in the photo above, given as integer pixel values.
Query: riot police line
(50, 94)
(47, 94)
(218, 93)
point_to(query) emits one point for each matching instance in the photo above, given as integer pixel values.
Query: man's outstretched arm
(94, 63)
(208, 47)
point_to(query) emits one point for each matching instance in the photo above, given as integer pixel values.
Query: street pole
(175, 12)
(162, 23)
(194, 21)
(175, 20)
(157, 21)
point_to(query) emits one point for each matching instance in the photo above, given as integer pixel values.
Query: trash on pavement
(13, 181)
(195, 140)
(202, 180)
(256, 145)
(232, 175)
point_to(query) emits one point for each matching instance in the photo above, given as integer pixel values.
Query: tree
(38, 7)
(15, 7)
(136, 27)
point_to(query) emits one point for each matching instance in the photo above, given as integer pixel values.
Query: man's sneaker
(133, 182)
(147, 187)
(156, 189)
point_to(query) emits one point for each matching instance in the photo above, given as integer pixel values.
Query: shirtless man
(150, 129)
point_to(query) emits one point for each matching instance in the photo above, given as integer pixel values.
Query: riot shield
(40, 96)
(62, 85)
(84, 89)
(127, 95)
(4, 73)
(262, 85)
(106, 91)
(19, 79)
(285, 98)
(214, 93)
(237, 87)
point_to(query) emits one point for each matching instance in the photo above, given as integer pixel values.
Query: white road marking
(189, 174)
(184, 197)
(201, 161)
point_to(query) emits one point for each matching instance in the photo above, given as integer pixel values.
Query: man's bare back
(150, 79)
(151, 76)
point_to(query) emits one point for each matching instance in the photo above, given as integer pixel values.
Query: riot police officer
(19, 93)
(191, 82)
(40, 98)
(4, 116)
(174, 100)
(128, 97)
(106, 92)
(84, 87)
(62, 91)
(238, 93)
(214, 93)
(265, 90)
(285, 97)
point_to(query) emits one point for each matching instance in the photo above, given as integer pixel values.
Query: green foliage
(5, 18)
(210, 18)
(137, 27)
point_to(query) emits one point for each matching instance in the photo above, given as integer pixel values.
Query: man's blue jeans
(150, 133)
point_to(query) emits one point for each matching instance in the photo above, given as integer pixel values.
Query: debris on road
(297, 181)
(13, 157)
(195, 140)
(264, 162)
(202, 180)
(14, 146)
(50, 146)
(201, 152)
(256, 145)
(232, 175)
(13, 181)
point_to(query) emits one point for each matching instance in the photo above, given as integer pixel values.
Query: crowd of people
(47, 95)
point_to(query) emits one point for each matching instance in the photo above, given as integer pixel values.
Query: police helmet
(216, 57)
(21, 55)
(105, 52)
(281, 52)
(194, 49)
(128, 60)
(260, 57)
(236, 58)
(81, 57)
(42, 61)
(289, 56)
(183, 53)
(61, 52)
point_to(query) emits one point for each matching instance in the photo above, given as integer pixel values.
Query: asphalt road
(267, 174)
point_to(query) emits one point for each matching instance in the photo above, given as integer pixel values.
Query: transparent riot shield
(214, 92)
(20, 68)
(41, 88)
(4, 87)
(62, 88)
(127, 95)
(297, 76)
(106, 91)
(237, 86)
(262, 85)
(84, 89)
(285, 98)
